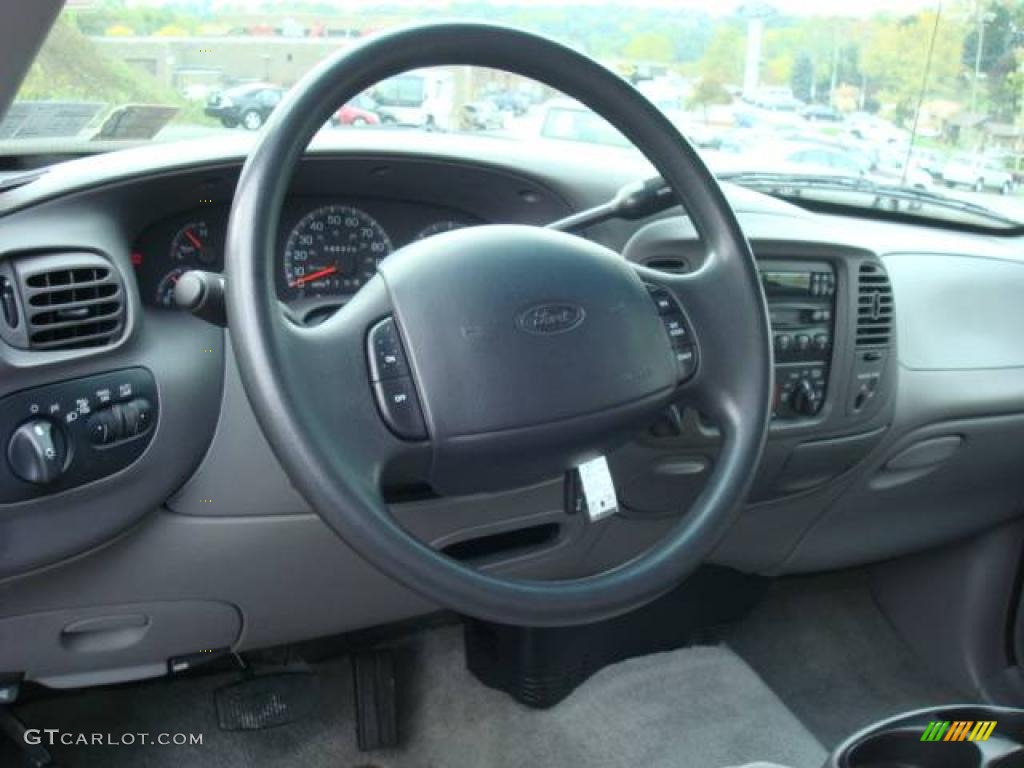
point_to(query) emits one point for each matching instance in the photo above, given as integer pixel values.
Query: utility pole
(834, 81)
(983, 19)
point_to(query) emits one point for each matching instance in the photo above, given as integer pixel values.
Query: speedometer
(332, 251)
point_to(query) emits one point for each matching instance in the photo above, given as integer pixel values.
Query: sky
(713, 7)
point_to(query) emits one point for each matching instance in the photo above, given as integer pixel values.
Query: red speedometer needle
(193, 239)
(313, 276)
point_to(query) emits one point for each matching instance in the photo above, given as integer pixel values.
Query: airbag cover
(511, 327)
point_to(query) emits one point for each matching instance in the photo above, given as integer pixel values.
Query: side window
(270, 98)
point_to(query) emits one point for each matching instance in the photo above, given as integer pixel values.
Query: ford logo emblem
(548, 319)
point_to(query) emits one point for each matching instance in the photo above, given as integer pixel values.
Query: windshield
(919, 96)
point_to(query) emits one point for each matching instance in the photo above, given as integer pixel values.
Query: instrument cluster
(328, 249)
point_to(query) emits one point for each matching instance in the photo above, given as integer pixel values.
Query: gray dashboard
(206, 516)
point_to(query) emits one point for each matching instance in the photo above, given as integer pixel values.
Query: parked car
(515, 102)
(775, 99)
(570, 120)
(821, 113)
(359, 111)
(480, 116)
(868, 127)
(831, 160)
(977, 172)
(893, 165)
(421, 99)
(247, 105)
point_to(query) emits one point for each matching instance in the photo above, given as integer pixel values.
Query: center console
(801, 299)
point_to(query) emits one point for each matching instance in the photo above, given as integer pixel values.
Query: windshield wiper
(797, 182)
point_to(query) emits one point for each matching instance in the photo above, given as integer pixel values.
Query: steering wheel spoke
(361, 389)
(713, 348)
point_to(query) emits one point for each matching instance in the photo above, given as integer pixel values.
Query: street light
(755, 15)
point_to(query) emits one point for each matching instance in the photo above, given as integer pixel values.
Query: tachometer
(445, 225)
(332, 251)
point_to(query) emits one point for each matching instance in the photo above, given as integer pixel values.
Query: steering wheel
(519, 351)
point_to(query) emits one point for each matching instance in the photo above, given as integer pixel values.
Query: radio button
(783, 342)
(821, 341)
(662, 300)
(803, 342)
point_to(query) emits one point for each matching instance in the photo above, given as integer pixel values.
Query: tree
(801, 80)
(708, 92)
(997, 41)
(895, 55)
(723, 58)
(650, 46)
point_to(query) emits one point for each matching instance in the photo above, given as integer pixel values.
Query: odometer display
(332, 251)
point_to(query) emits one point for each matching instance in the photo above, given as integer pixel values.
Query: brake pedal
(375, 688)
(36, 755)
(266, 701)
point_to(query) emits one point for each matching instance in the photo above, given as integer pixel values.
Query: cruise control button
(385, 353)
(686, 358)
(400, 407)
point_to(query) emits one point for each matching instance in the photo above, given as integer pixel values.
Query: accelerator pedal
(375, 688)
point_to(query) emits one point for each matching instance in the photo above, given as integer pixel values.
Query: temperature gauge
(165, 288)
(192, 244)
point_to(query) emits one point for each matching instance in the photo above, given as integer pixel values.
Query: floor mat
(826, 649)
(694, 707)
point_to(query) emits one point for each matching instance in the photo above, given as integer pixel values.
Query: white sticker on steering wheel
(598, 488)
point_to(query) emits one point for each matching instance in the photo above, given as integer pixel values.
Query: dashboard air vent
(874, 306)
(70, 301)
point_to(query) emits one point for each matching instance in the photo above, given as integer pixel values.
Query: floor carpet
(822, 644)
(700, 707)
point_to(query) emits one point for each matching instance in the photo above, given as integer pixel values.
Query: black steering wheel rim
(333, 470)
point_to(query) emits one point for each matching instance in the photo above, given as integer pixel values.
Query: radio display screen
(790, 282)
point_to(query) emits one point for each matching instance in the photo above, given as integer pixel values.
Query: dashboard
(328, 247)
(899, 409)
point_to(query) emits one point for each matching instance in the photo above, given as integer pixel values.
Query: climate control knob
(804, 400)
(38, 451)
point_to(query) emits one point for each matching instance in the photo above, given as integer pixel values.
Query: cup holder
(899, 742)
(904, 749)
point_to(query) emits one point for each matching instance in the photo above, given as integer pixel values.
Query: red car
(355, 113)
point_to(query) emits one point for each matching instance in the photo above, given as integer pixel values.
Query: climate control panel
(63, 435)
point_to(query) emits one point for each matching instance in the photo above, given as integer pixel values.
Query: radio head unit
(801, 300)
